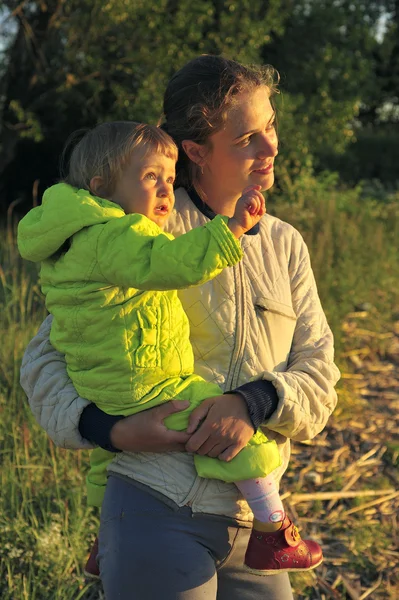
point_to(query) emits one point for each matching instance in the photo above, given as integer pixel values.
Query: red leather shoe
(281, 551)
(91, 569)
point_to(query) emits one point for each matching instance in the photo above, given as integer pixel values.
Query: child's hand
(250, 208)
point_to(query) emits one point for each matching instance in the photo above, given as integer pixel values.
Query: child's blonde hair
(106, 150)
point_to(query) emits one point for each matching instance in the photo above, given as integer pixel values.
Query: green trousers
(259, 457)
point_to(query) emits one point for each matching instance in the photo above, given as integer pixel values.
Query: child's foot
(281, 551)
(91, 569)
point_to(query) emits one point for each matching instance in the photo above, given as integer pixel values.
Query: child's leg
(259, 458)
(96, 479)
(275, 545)
(264, 500)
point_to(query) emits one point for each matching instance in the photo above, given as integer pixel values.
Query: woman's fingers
(206, 449)
(201, 434)
(146, 432)
(221, 428)
(216, 451)
(227, 423)
(197, 416)
(230, 452)
(169, 408)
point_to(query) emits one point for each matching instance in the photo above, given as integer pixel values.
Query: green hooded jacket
(124, 342)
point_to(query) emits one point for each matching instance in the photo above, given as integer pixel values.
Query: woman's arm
(306, 389)
(55, 403)
(296, 403)
(71, 421)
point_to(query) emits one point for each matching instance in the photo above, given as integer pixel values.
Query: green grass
(45, 527)
(353, 243)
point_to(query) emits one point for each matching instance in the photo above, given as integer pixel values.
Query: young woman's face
(243, 152)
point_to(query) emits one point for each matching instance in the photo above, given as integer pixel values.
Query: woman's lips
(264, 170)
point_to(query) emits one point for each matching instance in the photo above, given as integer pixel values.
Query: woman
(165, 533)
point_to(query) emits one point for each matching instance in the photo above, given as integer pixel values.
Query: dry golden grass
(45, 527)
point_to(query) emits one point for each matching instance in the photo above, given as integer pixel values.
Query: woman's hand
(146, 432)
(224, 427)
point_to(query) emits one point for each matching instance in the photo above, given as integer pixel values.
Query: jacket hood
(64, 211)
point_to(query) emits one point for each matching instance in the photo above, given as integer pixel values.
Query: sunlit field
(45, 527)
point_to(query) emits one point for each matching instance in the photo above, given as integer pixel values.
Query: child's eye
(171, 180)
(150, 175)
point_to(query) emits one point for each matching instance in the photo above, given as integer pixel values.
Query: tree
(326, 60)
(73, 64)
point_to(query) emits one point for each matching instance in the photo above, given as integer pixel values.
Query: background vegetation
(66, 65)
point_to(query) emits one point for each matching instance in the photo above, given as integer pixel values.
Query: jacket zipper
(241, 328)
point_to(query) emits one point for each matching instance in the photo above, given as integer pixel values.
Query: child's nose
(164, 190)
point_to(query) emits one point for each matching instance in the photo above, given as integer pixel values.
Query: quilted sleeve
(132, 252)
(54, 401)
(306, 389)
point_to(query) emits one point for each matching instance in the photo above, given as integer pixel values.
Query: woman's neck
(221, 202)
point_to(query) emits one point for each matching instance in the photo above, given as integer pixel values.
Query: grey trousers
(150, 550)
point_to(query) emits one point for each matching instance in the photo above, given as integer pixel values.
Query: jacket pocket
(277, 324)
(148, 353)
(263, 305)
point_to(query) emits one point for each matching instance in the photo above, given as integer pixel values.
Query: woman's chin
(265, 181)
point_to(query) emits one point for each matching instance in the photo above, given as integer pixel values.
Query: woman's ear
(96, 186)
(195, 152)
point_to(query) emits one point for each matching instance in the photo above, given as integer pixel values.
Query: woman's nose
(267, 147)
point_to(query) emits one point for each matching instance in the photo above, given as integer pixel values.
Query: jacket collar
(208, 212)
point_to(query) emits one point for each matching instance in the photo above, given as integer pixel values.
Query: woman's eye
(150, 175)
(245, 141)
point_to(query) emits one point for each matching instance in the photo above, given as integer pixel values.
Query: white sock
(263, 498)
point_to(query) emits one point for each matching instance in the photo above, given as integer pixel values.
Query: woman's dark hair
(198, 98)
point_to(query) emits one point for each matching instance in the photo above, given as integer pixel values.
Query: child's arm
(250, 208)
(131, 252)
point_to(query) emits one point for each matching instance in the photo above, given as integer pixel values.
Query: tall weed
(43, 516)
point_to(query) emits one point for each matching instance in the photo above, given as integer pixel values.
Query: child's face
(146, 186)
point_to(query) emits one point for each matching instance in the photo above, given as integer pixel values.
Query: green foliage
(31, 127)
(326, 61)
(71, 64)
(373, 156)
(352, 238)
(114, 60)
(45, 527)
